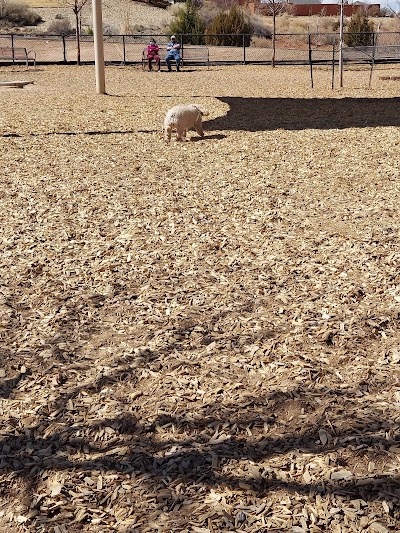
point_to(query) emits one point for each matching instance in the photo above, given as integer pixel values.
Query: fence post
(123, 46)
(64, 47)
(12, 46)
(375, 42)
(244, 49)
(182, 51)
(310, 60)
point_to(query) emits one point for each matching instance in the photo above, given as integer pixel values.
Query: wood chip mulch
(199, 337)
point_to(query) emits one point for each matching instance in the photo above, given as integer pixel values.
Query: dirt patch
(199, 336)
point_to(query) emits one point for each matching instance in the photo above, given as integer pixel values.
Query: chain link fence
(304, 48)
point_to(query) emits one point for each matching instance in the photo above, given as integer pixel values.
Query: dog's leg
(167, 135)
(184, 138)
(180, 134)
(199, 128)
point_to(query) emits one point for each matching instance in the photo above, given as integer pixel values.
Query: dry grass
(203, 336)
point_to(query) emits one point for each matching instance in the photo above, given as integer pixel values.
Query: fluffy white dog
(182, 118)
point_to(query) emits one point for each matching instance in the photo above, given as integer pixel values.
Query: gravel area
(200, 337)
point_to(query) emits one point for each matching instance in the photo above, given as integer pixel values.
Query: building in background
(305, 8)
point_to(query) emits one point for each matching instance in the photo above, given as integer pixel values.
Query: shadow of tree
(214, 444)
(265, 114)
(200, 458)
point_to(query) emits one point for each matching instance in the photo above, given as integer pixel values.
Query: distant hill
(119, 16)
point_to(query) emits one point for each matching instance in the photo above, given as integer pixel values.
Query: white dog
(182, 118)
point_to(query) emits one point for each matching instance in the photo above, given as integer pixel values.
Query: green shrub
(228, 27)
(359, 30)
(14, 14)
(188, 21)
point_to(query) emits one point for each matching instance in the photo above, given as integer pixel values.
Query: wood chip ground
(200, 337)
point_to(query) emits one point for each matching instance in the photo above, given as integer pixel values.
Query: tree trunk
(78, 39)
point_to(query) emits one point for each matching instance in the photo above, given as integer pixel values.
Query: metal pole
(98, 47)
(310, 60)
(12, 46)
(123, 44)
(375, 42)
(64, 48)
(341, 44)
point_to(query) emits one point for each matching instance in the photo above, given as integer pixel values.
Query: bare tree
(395, 14)
(273, 8)
(77, 9)
(77, 6)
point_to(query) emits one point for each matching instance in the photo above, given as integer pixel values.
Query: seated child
(152, 54)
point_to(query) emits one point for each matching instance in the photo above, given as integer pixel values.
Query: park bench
(195, 55)
(387, 52)
(190, 55)
(17, 55)
(369, 53)
(358, 53)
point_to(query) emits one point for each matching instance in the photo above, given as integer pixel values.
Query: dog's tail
(202, 109)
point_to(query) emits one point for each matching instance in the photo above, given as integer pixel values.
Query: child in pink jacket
(152, 54)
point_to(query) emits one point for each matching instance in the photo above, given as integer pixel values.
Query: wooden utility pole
(98, 47)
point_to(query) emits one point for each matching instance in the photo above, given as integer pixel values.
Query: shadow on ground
(264, 114)
(197, 458)
(245, 444)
